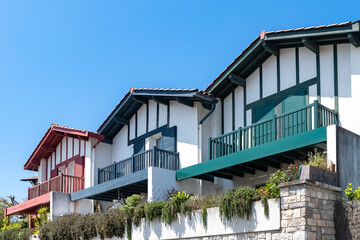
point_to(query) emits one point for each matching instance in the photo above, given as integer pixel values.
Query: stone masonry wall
(347, 220)
(307, 212)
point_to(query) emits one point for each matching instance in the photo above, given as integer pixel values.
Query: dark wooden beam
(268, 162)
(121, 120)
(232, 172)
(270, 48)
(256, 166)
(310, 44)
(205, 177)
(237, 80)
(48, 149)
(354, 39)
(281, 159)
(184, 101)
(139, 99)
(221, 175)
(244, 169)
(161, 100)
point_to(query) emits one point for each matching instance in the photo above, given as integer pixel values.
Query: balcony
(282, 139)
(154, 157)
(62, 183)
(129, 176)
(39, 195)
(280, 126)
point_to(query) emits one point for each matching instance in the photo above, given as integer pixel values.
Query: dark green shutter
(139, 146)
(263, 112)
(294, 101)
(168, 137)
(297, 122)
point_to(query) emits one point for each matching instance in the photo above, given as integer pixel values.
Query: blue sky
(71, 62)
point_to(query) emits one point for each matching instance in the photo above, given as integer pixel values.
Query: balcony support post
(316, 117)
(210, 148)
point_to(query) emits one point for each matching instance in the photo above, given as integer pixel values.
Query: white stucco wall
(269, 76)
(141, 119)
(253, 87)
(210, 128)
(191, 227)
(346, 98)
(327, 76)
(239, 107)
(287, 68)
(152, 115)
(42, 171)
(307, 64)
(103, 157)
(355, 82)
(162, 114)
(228, 113)
(132, 127)
(186, 120)
(120, 149)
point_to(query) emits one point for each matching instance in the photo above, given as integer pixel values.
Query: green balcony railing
(279, 126)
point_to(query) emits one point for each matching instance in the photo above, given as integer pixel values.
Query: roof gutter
(213, 103)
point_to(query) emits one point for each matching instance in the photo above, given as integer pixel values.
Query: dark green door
(262, 133)
(296, 120)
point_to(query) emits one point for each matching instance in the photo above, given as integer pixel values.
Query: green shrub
(153, 210)
(139, 213)
(352, 194)
(16, 234)
(237, 203)
(173, 207)
(317, 159)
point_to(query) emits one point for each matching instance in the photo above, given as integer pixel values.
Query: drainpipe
(213, 106)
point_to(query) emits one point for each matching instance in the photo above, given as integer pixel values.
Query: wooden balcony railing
(61, 183)
(154, 157)
(280, 126)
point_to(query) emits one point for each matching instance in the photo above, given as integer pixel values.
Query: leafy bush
(16, 233)
(317, 159)
(153, 210)
(115, 222)
(237, 203)
(173, 207)
(352, 194)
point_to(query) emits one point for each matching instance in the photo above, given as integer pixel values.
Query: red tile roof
(52, 138)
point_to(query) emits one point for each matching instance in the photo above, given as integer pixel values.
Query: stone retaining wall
(347, 220)
(307, 212)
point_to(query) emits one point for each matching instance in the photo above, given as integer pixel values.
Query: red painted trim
(51, 139)
(66, 162)
(46, 170)
(30, 206)
(73, 145)
(84, 148)
(67, 147)
(61, 151)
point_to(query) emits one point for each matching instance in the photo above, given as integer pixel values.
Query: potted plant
(316, 168)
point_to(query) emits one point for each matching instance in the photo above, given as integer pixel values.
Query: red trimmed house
(63, 160)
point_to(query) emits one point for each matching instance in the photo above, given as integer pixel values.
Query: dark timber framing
(271, 43)
(233, 109)
(336, 80)
(297, 66)
(261, 82)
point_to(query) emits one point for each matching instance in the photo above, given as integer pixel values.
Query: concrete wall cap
(310, 183)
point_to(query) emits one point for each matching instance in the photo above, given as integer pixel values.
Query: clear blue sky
(70, 62)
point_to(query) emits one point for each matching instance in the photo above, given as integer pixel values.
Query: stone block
(311, 221)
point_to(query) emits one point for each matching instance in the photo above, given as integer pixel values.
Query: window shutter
(263, 112)
(294, 101)
(168, 137)
(139, 146)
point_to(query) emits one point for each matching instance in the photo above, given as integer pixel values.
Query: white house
(288, 92)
